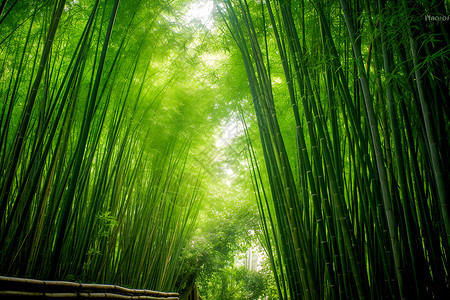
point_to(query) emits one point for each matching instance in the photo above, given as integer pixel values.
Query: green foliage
(234, 283)
(338, 172)
(251, 284)
(99, 180)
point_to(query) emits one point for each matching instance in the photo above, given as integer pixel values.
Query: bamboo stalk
(19, 140)
(435, 158)
(81, 145)
(392, 222)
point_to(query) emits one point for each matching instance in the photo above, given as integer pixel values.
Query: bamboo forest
(226, 149)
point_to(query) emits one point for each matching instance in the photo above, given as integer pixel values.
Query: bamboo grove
(351, 167)
(97, 178)
(107, 121)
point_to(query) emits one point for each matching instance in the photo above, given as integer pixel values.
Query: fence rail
(15, 288)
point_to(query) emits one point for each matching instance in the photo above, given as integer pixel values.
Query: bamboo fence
(13, 287)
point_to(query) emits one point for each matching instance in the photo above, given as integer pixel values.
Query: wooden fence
(17, 288)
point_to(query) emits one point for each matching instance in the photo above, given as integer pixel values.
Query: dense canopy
(232, 149)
